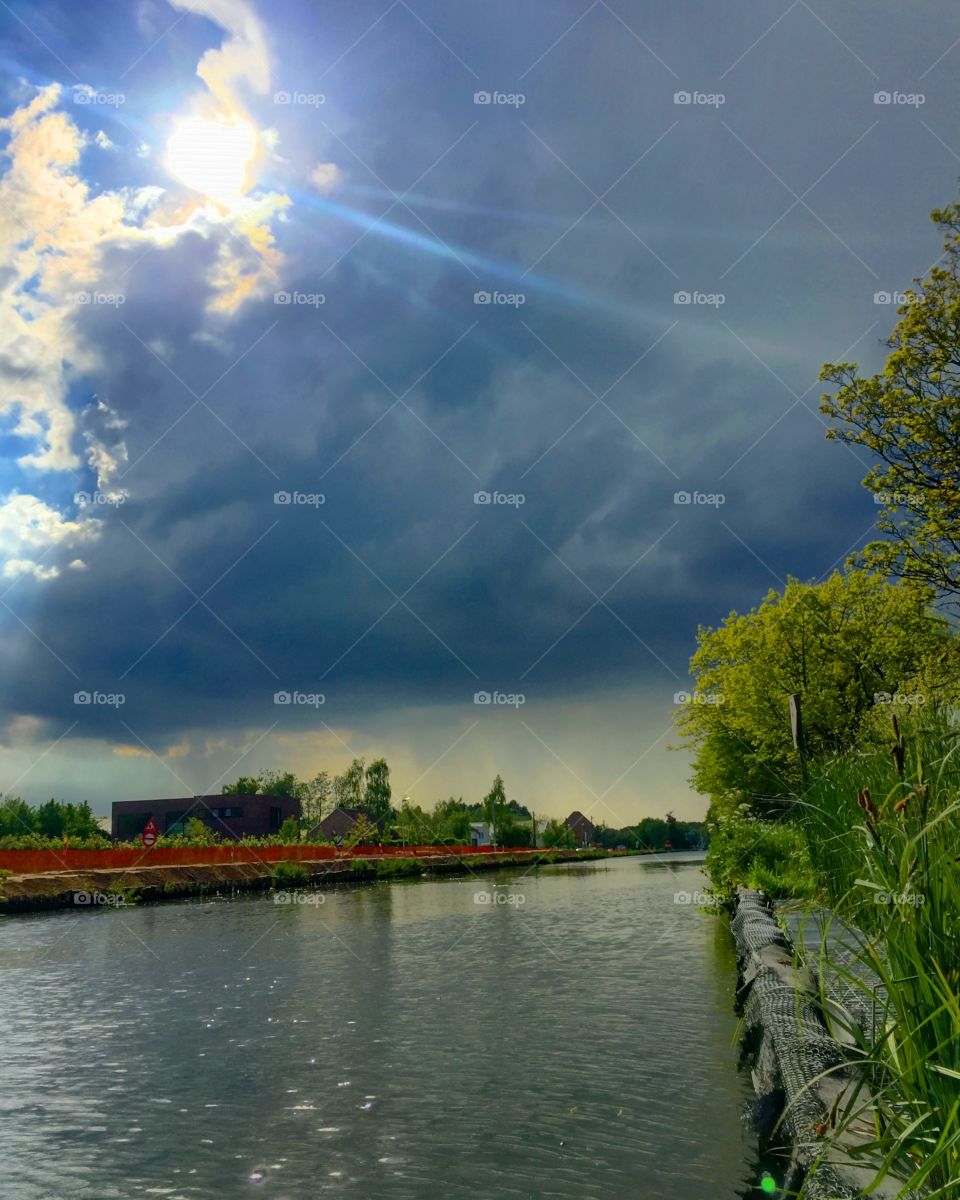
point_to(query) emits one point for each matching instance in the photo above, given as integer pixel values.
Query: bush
(749, 852)
(291, 874)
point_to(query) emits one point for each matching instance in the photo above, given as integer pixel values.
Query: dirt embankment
(135, 885)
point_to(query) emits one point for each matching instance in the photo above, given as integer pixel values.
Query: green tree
(557, 836)
(842, 645)
(494, 806)
(377, 793)
(348, 788)
(246, 785)
(908, 416)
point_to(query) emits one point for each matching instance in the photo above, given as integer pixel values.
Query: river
(564, 1033)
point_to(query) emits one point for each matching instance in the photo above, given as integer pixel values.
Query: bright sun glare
(211, 156)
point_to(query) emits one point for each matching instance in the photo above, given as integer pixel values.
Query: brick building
(231, 816)
(582, 827)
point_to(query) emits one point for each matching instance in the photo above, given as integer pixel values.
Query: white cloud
(103, 141)
(243, 57)
(326, 176)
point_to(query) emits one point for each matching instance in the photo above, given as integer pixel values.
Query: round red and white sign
(150, 833)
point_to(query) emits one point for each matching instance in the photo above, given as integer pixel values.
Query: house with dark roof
(582, 827)
(231, 816)
(338, 824)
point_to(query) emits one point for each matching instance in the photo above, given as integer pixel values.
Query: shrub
(749, 852)
(292, 874)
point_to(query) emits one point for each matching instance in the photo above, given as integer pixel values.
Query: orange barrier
(35, 862)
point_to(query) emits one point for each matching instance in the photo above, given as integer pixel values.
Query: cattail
(899, 748)
(865, 800)
(902, 804)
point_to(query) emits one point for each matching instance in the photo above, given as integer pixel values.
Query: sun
(212, 156)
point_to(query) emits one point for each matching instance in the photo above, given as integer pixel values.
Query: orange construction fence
(34, 862)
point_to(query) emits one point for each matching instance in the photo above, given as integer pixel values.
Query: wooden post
(796, 729)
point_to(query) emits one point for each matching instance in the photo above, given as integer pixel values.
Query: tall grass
(884, 836)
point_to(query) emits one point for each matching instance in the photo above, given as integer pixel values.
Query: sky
(413, 379)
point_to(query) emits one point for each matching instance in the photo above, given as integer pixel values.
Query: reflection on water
(562, 1033)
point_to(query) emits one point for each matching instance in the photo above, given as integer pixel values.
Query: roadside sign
(150, 833)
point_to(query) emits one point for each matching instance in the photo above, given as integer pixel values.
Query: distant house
(583, 828)
(231, 816)
(338, 824)
(480, 834)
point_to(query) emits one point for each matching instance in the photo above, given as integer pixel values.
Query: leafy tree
(377, 793)
(289, 832)
(840, 645)
(246, 785)
(494, 806)
(199, 833)
(557, 836)
(348, 788)
(908, 416)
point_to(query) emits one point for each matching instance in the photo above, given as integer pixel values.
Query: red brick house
(338, 824)
(582, 827)
(231, 816)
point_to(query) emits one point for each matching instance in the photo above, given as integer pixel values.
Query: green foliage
(838, 644)
(291, 874)
(349, 788)
(556, 836)
(908, 416)
(23, 827)
(746, 851)
(198, 833)
(884, 831)
(314, 794)
(289, 832)
(377, 792)
(494, 805)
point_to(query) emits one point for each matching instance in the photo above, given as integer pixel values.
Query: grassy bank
(876, 839)
(150, 885)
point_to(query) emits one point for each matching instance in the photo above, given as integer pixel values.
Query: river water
(563, 1033)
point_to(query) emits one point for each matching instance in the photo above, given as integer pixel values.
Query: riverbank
(123, 886)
